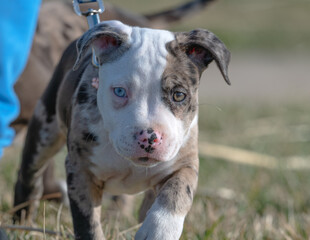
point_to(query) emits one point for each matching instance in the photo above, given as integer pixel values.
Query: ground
(256, 187)
(234, 200)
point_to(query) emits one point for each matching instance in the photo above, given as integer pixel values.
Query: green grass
(233, 201)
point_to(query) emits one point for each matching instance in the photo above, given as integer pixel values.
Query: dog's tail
(178, 13)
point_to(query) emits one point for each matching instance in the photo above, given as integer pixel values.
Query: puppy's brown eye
(179, 96)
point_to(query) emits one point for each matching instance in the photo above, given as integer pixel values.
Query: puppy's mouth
(145, 161)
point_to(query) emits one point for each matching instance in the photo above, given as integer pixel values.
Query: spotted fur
(105, 152)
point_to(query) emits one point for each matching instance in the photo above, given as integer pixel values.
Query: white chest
(120, 175)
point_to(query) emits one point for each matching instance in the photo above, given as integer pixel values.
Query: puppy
(134, 130)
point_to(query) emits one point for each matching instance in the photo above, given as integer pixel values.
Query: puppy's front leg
(85, 194)
(164, 220)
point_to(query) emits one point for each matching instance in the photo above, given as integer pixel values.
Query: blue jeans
(17, 25)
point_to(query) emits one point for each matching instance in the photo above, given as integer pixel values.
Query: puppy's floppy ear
(202, 47)
(108, 40)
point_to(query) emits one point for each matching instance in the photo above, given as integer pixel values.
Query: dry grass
(234, 200)
(244, 24)
(272, 25)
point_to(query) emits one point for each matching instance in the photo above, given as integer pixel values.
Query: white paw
(160, 224)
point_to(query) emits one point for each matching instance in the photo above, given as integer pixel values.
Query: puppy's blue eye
(120, 92)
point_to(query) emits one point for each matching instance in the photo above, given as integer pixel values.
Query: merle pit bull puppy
(135, 129)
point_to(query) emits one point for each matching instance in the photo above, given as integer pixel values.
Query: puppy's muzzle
(148, 140)
(148, 147)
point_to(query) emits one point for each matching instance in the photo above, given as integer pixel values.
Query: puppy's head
(148, 85)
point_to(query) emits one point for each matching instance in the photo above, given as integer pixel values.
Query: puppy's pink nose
(148, 139)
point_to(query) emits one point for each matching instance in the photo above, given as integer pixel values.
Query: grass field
(244, 24)
(271, 25)
(233, 201)
(266, 199)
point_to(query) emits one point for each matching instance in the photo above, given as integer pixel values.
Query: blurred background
(254, 135)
